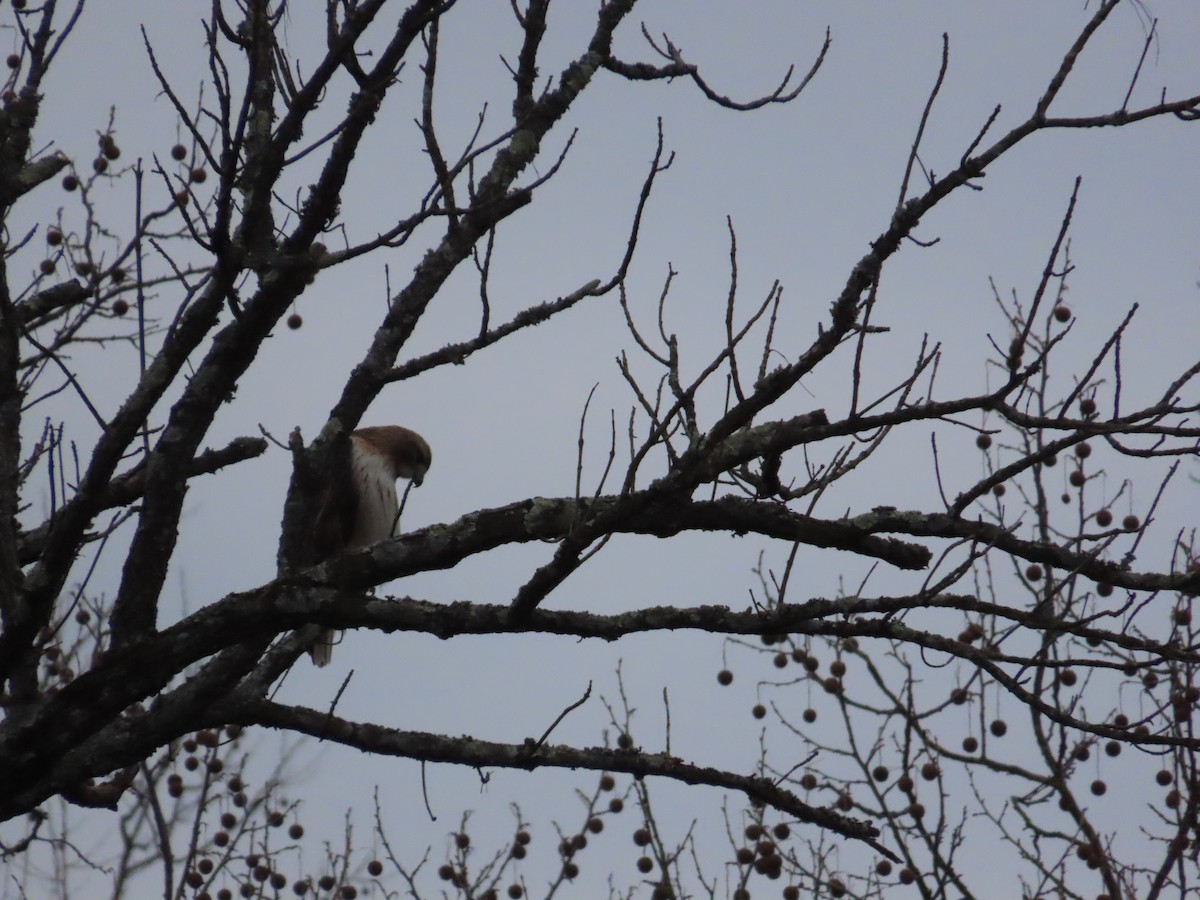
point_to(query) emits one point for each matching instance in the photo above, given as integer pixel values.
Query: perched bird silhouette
(359, 505)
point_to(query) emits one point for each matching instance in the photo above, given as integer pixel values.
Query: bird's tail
(322, 649)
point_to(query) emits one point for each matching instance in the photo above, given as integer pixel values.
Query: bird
(358, 506)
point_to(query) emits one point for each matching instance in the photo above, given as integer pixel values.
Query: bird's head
(407, 451)
(417, 462)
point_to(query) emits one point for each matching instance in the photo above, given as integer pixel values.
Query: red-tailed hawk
(360, 507)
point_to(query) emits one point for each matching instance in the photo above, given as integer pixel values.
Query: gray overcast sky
(807, 186)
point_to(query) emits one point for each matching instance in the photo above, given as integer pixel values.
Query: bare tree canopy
(1038, 578)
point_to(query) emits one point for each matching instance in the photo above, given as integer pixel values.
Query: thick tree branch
(128, 487)
(488, 754)
(556, 519)
(65, 294)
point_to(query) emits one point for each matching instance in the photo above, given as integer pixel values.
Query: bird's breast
(377, 507)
